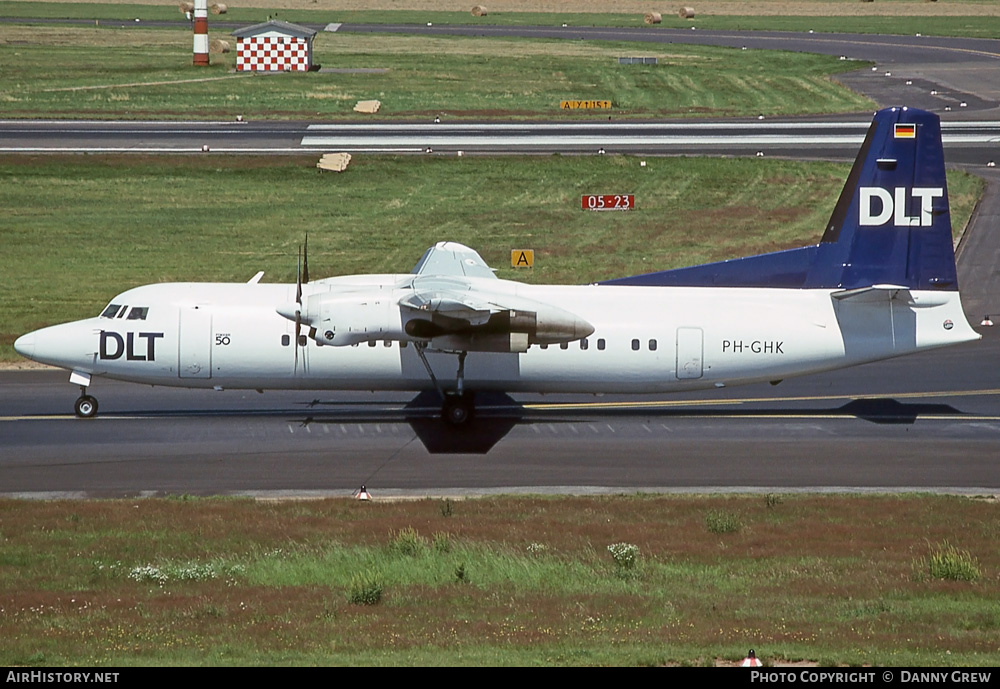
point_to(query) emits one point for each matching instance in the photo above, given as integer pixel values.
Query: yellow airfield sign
(522, 258)
(585, 104)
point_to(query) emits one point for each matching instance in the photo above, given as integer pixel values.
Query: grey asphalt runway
(928, 422)
(974, 143)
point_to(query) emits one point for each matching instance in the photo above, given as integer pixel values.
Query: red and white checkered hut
(274, 46)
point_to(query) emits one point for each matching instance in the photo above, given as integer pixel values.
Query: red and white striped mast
(201, 33)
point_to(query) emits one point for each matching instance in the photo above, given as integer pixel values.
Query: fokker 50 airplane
(881, 283)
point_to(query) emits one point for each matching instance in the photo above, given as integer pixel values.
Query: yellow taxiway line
(664, 404)
(680, 404)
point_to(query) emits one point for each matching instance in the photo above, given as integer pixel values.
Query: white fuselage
(645, 339)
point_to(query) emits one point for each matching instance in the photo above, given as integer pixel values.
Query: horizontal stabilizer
(875, 293)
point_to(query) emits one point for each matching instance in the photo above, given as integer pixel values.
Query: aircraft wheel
(86, 407)
(458, 410)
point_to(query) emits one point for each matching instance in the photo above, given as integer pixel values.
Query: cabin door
(690, 353)
(194, 350)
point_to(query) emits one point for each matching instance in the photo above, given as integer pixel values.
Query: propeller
(305, 261)
(301, 275)
(298, 279)
(295, 311)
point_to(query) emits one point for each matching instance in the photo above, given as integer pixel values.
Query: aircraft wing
(453, 298)
(451, 259)
(442, 285)
(452, 301)
(459, 313)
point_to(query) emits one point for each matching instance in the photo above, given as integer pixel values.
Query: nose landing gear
(86, 406)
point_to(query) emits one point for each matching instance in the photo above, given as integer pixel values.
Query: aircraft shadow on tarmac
(884, 410)
(498, 414)
(881, 410)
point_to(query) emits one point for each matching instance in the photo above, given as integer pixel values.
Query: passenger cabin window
(138, 313)
(564, 345)
(584, 344)
(635, 345)
(286, 340)
(111, 311)
(600, 343)
(652, 345)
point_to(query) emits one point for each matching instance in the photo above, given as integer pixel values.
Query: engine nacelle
(505, 331)
(347, 319)
(482, 342)
(554, 325)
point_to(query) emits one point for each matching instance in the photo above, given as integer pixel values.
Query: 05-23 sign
(608, 202)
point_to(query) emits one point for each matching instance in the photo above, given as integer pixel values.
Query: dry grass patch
(638, 7)
(499, 48)
(804, 577)
(15, 35)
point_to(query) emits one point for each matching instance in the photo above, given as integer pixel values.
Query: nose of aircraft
(25, 345)
(67, 345)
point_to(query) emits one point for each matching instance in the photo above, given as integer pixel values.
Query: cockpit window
(138, 313)
(110, 311)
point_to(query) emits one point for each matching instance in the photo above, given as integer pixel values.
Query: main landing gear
(457, 408)
(86, 406)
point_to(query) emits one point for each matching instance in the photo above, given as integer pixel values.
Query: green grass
(722, 522)
(827, 579)
(135, 74)
(80, 229)
(951, 564)
(974, 26)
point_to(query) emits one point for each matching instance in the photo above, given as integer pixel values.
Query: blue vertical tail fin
(891, 224)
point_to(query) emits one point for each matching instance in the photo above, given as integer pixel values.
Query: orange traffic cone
(750, 660)
(362, 494)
